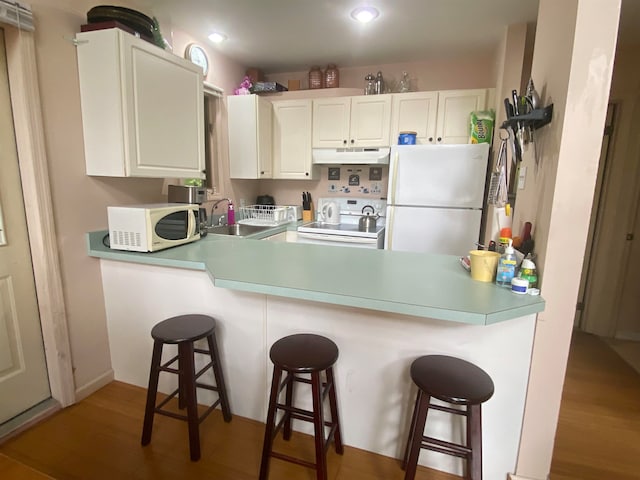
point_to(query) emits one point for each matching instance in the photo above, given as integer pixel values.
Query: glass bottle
(404, 85)
(379, 88)
(370, 86)
(315, 77)
(331, 76)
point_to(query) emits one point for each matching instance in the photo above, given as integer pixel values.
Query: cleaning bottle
(506, 267)
(528, 272)
(231, 214)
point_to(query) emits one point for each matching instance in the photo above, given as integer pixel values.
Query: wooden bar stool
(453, 381)
(303, 354)
(184, 330)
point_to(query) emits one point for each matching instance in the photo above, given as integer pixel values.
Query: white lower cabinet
(250, 131)
(292, 140)
(142, 108)
(436, 117)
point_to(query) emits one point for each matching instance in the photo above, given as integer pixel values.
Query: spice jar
(331, 76)
(315, 77)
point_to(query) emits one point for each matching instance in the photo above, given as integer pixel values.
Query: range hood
(351, 156)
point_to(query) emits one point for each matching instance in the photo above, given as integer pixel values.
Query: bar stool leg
(152, 391)
(286, 434)
(318, 426)
(418, 433)
(185, 352)
(412, 430)
(217, 372)
(182, 393)
(474, 441)
(333, 404)
(268, 433)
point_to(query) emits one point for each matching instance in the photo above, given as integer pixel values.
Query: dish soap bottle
(506, 267)
(231, 214)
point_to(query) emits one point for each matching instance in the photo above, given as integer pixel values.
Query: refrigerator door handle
(389, 228)
(394, 177)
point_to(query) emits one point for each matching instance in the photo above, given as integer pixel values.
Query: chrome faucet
(213, 207)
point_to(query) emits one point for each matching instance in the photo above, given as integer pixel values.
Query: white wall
(79, 201)
(572, 67)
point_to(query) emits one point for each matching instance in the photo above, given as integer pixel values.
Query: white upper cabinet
(361, 121)
(454, 109)
(436, 117)
(250, 132)
(292, 140)
(142, 108)
(415, 112)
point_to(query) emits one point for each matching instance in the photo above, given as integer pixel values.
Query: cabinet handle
(439, 139)
(353, 141)
(431, 139)
(344, 142)
(261, 173)
(306, 173)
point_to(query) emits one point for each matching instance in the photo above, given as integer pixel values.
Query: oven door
(337, 240)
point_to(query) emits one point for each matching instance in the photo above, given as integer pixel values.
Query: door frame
(30, 143)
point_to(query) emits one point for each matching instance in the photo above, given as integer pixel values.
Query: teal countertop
(424, 285)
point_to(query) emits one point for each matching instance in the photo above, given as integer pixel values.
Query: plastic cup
(483, 265)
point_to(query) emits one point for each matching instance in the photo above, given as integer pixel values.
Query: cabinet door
(292, 139)
(414, 112)
(331, 122)
(370, 121)
(165, 113)
(454, 108)
(142, 108)
(250, 129)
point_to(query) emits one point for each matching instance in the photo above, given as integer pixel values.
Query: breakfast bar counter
(432, 286)
(383, 309)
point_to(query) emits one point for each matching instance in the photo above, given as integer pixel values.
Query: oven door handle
(337, 238)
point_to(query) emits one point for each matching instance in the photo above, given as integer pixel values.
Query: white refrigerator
(435, 198)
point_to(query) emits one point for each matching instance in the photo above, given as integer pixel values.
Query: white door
(446, 231)
(331, 122)
(438, 175)
(370, 121)
(414, 112)
(454, 108)
(23, 371)
(292, 139)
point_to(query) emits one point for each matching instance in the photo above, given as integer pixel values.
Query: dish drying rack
(266, 215)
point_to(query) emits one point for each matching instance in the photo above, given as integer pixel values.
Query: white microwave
(152, 227)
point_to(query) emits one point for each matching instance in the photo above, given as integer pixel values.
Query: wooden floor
(598, 437)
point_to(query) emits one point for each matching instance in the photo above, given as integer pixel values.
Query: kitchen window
(212, 136)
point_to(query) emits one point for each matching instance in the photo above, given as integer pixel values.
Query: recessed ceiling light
(216, 37)
(365, 14)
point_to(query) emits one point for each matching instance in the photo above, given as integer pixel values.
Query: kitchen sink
(237, 230)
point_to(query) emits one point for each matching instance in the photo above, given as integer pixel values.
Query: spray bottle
(506, 267)
(231, 214)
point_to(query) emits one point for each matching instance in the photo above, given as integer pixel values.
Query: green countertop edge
(178, 258)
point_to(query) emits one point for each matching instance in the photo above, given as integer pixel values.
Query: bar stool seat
(457, 382)
(297, 355)
(184, 331)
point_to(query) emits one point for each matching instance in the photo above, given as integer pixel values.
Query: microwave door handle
(192, 224)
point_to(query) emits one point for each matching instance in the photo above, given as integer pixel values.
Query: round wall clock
(197, 55)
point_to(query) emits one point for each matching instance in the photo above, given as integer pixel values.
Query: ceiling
(291, 35)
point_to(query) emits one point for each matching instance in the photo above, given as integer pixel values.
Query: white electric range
(337, 220)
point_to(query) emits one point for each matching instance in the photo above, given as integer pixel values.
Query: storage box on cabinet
(360, 121)
(250, 136)
(142, 108)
